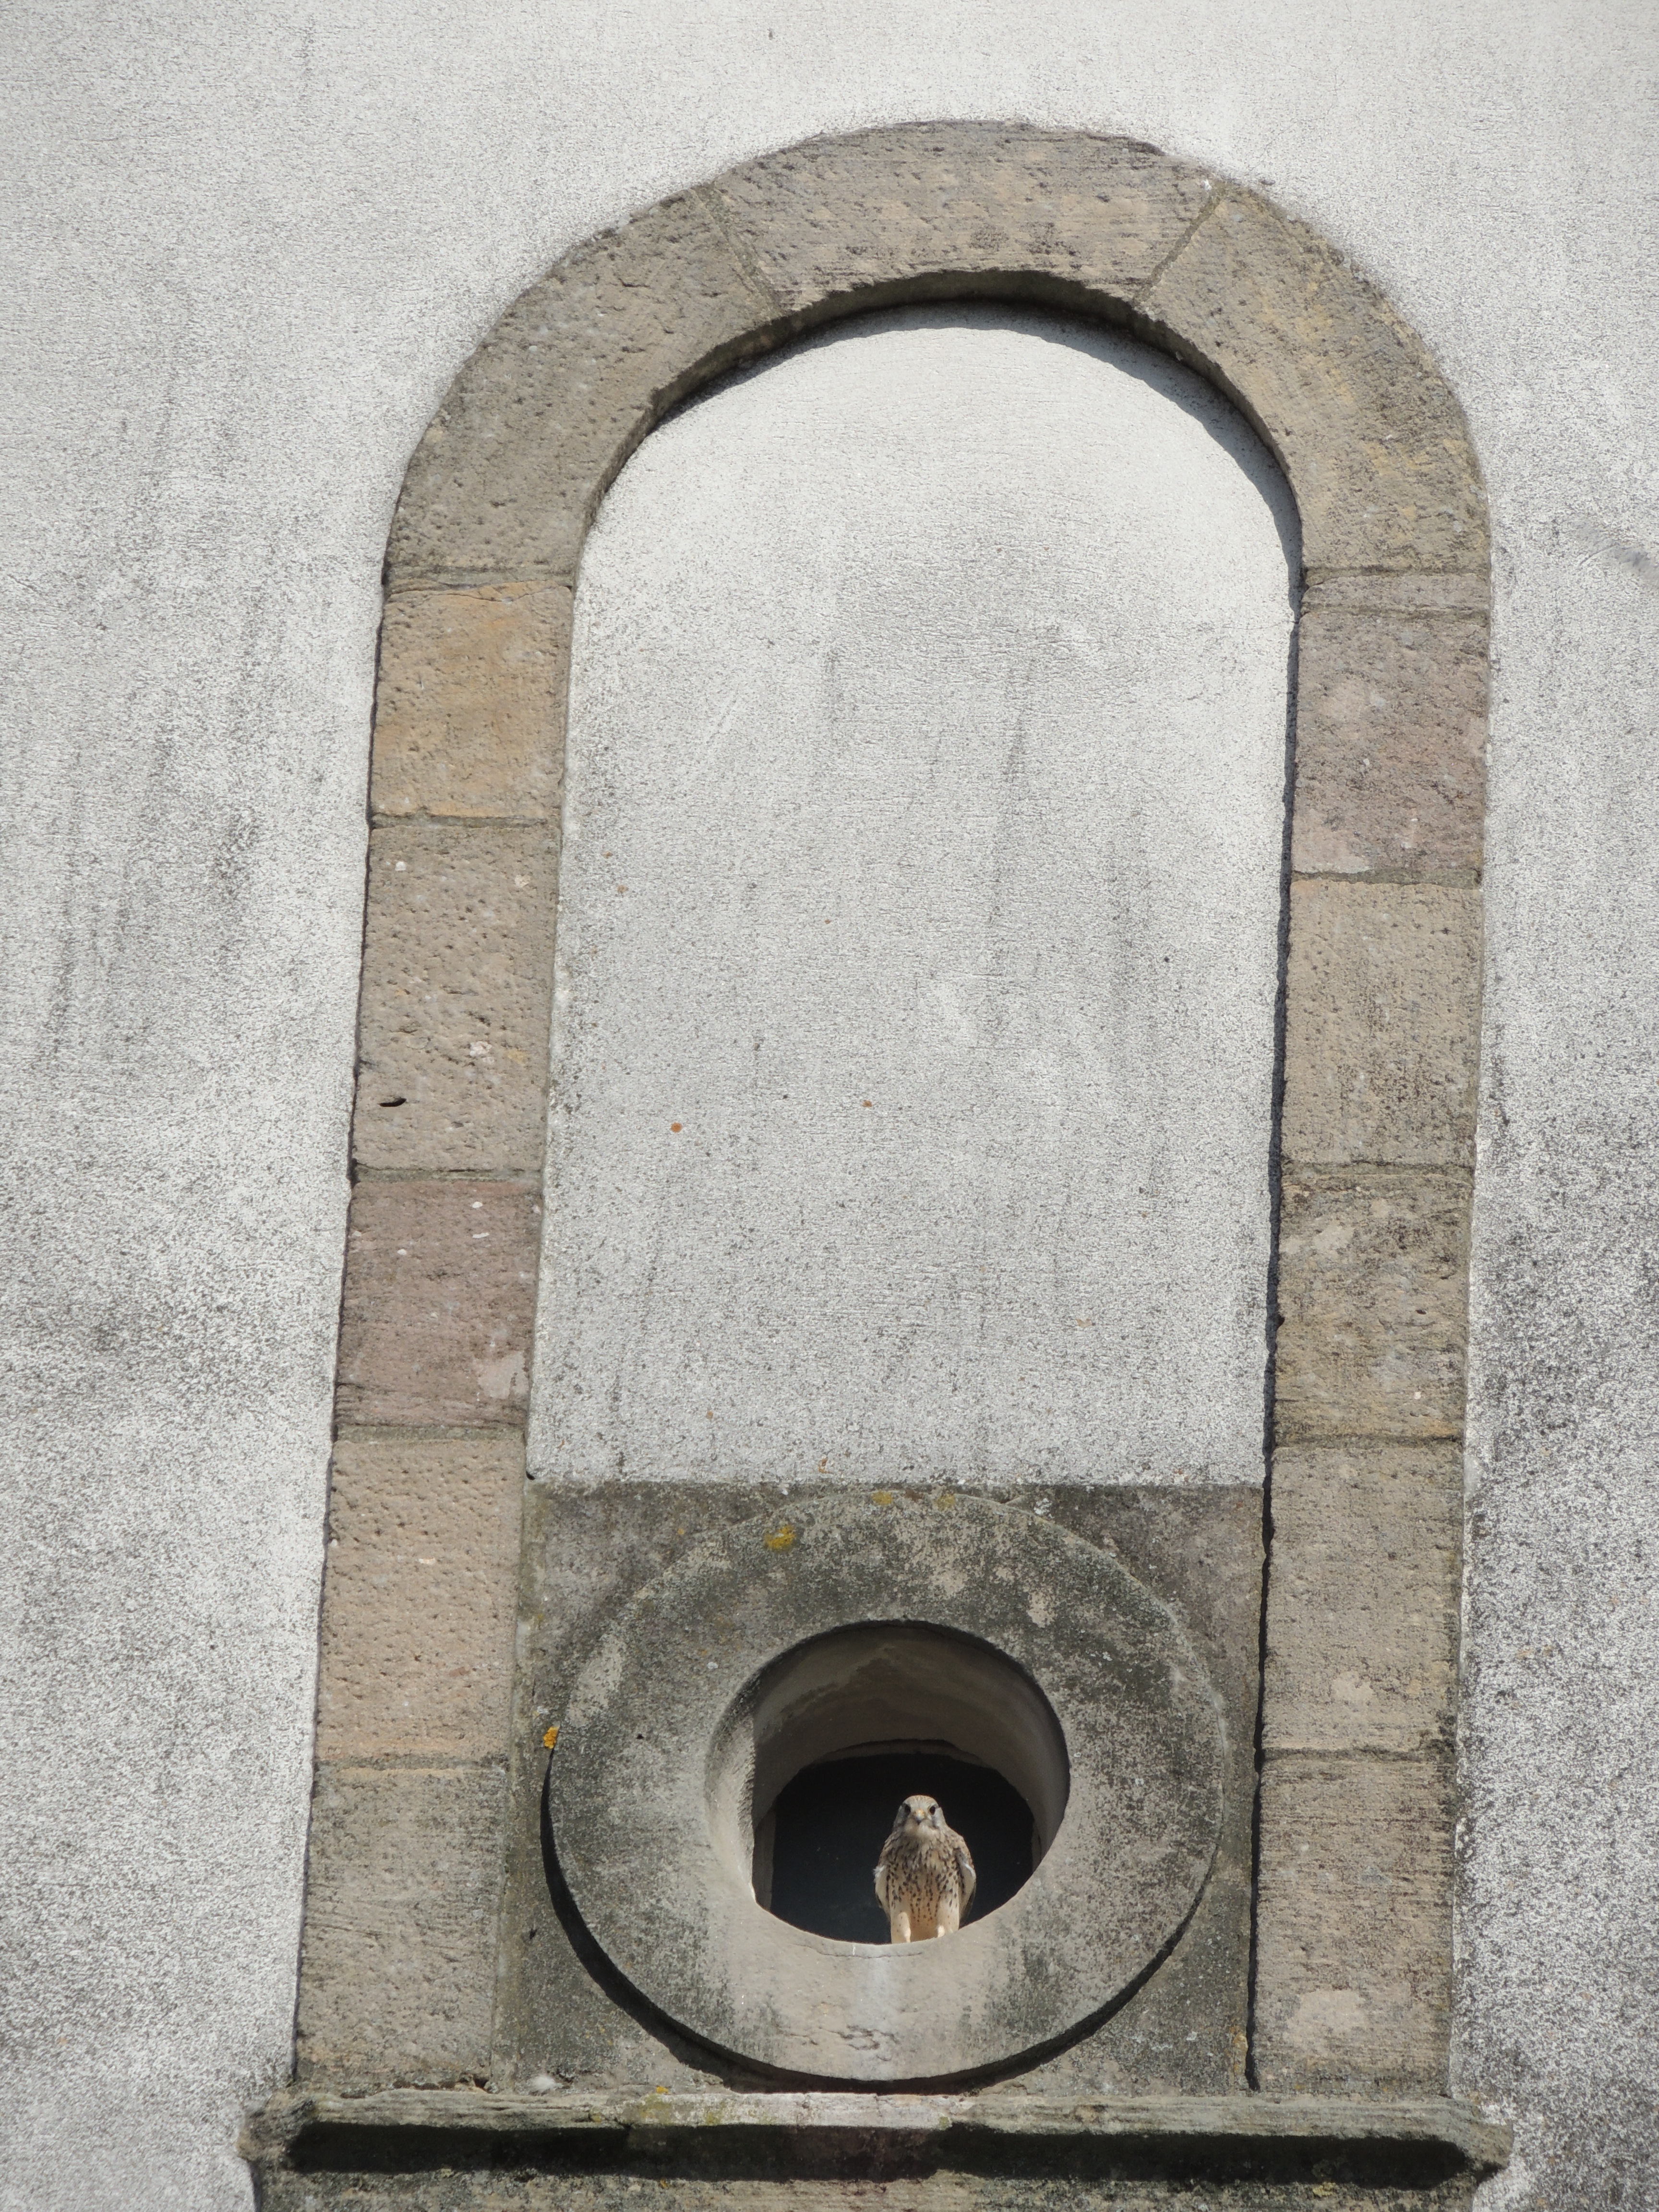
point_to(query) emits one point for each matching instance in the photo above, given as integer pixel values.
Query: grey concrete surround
(248, 257)
(1092, 1699)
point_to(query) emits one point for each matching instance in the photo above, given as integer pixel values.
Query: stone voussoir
(1362, 1599)
(1345, 393)
(1373, 1304)
(1353, 1972)
(436, 1319)
(1390, 741)
(419, 1597)
(469, 704)
(508, 478)
(457, 998)
(891, 209)
(402, 1897)
(1381, 1043)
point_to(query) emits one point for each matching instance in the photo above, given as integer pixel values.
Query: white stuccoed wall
(919, 923)
(247, 250)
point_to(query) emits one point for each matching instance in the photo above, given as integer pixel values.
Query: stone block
(457, 997)
(1362, 1599)
(513, 464)
(420, 1597)
(893, 207)
(1390, 742)
(1382, 1023)
(1373, 1325)
(469, 702)
(403, 1890)
(1344, 391)
(1354, 1945)
(440, 1295)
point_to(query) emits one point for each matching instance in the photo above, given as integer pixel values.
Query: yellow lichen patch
(549, 1738)
(781, 1538)
(881, 1497)
(944, 1500)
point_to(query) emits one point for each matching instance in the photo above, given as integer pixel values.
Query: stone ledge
(1220, 2131)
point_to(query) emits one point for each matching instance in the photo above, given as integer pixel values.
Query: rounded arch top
(510, 472)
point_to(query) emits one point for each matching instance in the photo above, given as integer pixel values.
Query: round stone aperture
(672, 1733)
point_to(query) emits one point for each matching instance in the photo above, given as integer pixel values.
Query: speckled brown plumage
(925, 1875)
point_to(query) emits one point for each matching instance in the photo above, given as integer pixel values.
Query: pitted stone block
(1362, 1603)
(469, 711)
(1390, 738)
(1382, 1024)
(1373, 1328)
(1353, 1974)
(402, 1891)
(420, 1592)
(510, 473)
(896, 207)
(1344, 391)
(439, 1296)
(458, 994)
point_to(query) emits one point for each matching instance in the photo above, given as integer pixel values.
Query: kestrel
(925, 1875)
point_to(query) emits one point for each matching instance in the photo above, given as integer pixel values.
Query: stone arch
(1381, 1027)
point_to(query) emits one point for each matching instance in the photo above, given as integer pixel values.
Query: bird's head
(918, 1816)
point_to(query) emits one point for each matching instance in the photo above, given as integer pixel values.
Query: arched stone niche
(919, 915)
(428, 1771)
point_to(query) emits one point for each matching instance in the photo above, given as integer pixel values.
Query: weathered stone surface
(419, 1597)
(1373, 1321)
(1390, 741)
(469, 702)
(1362, 1601)
(1382, 1023)
(540, 2182)
(507, 476)
(1344, 391)
(458, 989)
(804, 1622)
(892, 207)
(587, 1550)
(1353, 1955)
(980, 2153)
(439, 1293)
(402, 1892)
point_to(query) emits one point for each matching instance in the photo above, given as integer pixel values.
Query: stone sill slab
(1218, 2131)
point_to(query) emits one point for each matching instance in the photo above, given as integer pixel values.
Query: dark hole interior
(831, 1822)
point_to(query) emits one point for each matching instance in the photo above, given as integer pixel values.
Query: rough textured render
(919, 912)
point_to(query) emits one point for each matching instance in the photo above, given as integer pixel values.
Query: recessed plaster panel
(917, 942)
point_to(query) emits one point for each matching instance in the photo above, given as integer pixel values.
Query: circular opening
(816, 1753)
